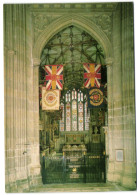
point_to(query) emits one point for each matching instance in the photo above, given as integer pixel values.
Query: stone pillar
(15, 98)
(115, 131)
(121, 113)
(35, 148)
(128, 92)
(10, 131)
(108, 131)
(10, 173)
(32, 65)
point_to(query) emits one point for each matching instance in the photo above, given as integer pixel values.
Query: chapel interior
(73, 132)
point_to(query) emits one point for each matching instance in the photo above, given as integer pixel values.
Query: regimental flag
(95, 97)
(54, 77)
(92, 75)
(50, 99)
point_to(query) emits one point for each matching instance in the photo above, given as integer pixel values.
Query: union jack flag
(54, 77)
(92, 75)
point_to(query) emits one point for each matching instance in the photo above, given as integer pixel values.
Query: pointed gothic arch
(78, 21)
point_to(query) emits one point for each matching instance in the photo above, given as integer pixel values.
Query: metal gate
(94, 169)
(87, 169)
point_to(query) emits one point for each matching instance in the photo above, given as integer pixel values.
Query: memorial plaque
(119, 155)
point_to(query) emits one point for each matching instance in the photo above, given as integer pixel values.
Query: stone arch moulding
(78, 21)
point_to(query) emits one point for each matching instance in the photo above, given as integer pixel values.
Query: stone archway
(78, 21)
(52, 29)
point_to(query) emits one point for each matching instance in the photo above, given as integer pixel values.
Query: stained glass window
(62, 119)
(75, 115)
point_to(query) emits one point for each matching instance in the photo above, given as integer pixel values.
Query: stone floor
(81, 187)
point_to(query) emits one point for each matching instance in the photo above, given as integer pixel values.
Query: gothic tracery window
(75, 115)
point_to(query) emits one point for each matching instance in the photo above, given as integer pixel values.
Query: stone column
(15, 98)
(35, 148)
(10, 131)
(20, 96)
(10, 173)
(115, 126)
(128, 92)
(32, 65)
(108, 131)
(121, 119)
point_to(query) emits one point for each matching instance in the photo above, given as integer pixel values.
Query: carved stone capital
(105, 128)
(108, 61)
(36, 62)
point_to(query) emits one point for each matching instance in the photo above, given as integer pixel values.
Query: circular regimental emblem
(96, 97)
(50, 98)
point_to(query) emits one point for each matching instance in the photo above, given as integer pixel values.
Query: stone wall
(121, 102)
(21, 126)
(128, 95)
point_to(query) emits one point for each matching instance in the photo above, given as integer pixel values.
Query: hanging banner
(92, 75)
(95, 98)
(54, 77)
(50, 99)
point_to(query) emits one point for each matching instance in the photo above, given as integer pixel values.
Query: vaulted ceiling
(72, 47)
